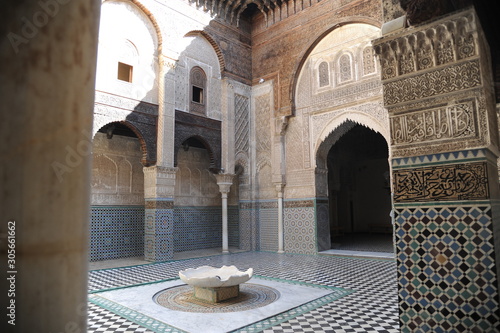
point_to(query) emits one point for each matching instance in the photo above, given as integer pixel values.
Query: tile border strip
(462, 156)
(134, 316)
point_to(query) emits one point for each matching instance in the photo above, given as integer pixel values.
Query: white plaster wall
(176, 18)
(127, 35)
(198, 52)
(117, 176)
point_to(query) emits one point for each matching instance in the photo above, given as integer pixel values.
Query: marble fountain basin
(214, 284)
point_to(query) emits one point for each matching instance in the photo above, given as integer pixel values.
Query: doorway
(359, 192)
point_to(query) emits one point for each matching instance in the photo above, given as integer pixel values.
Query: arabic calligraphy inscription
(456, 121)
(438, 183)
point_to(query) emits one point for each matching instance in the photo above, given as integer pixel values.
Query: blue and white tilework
(116, 232)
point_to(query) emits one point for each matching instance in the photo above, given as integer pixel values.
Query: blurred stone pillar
(48, 52)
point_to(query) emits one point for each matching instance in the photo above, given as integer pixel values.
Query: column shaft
(47, 66)
(224, 180)
(225, 233)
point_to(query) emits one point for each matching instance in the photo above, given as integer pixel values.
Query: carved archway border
(146, 148)
(207, 143)
(211, 41)
(305, 54)
(151, 17)
(339, 125)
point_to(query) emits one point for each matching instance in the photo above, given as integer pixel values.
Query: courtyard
(359, 295)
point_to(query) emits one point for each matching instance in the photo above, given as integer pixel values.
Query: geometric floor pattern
(372, 307)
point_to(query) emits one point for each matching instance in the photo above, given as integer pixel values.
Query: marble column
(279, 190)
(47, 75)
(224, 180)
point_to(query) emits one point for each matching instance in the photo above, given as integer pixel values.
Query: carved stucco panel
(215, 102)
(352, 93)
(125, 103)
(242, 124)
(181, 86)
(436, 44)
(294, 144)
(438, 124)
(117, 177)
(433, 128)
(262, 114)
(262, 124)
(441, 81)
(307, 142)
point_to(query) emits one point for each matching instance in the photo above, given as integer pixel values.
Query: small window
(345, 68)
(124, 72)
(324, 75)
(198, 84)
(197, 95)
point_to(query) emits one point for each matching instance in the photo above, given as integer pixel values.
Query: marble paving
(291, 295)
(371, 306)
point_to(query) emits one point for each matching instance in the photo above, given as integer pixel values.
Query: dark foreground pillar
(47, 65)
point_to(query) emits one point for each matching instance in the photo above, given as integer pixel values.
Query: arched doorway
(197, 201)
(359, 192)
(117, 194)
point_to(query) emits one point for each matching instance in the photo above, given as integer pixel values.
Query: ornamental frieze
(442, 81)
(348, 94)
(440, 183)
(125, 103)
(449, 122)
(452, 39)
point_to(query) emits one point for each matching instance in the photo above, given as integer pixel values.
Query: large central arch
(337, 87)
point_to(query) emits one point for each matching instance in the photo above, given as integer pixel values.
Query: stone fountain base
(215, 285)
(216, 294)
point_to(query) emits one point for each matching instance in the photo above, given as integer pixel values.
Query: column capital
(224, 180)
(280, 187)
(159, 182)
(281, 125)
(161, 171)
(167, 62)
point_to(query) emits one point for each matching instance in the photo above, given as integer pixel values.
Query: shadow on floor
(371, 242)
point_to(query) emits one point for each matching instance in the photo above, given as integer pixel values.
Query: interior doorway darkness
(359, 186)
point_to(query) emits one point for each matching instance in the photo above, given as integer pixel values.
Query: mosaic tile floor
(372, 307)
